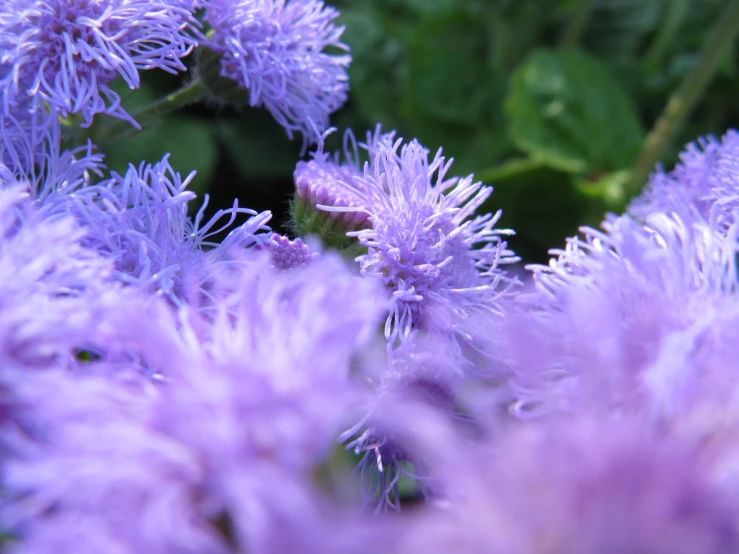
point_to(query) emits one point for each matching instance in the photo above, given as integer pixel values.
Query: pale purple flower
(140, 221)
(65, 54)
(704, 184)
(440, 262)
(275, 50)
(425, 374)
(31, 154)
(325, 182)
(218, 458)
(627, 319)
(574, 488)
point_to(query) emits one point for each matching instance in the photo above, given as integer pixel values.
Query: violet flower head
(326, 185)
(47, 275)
(585, 487)
(440, 263)
(275, 50)
(140, 221)
(31, 154)
(625, 319)
(424, 375)
(704, 184)
(66, 53)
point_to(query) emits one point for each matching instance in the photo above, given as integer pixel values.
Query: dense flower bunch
(174, 385)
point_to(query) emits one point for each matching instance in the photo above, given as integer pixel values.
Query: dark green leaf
(568, 111)
(258, 147)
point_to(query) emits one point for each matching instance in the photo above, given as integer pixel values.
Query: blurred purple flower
(66, 53)
(220, 457)
(705, 184)
(580, 487)
(626, 319)
(275, 49)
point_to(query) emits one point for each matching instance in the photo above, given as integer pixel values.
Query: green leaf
(257, 146)
(447, 77)
(378, 59)
(189, 142)
(568, 111)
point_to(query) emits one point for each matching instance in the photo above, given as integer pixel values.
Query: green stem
(154, 112)
(677, 11)
(577, 23)
(680, 104)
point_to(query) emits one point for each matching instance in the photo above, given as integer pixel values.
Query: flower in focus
(140, 221)
(440, 264)
(275, 50)
(66, 53)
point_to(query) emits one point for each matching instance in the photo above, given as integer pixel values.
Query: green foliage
(566, 110)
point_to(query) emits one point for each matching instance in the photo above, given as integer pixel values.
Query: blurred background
(548, 101)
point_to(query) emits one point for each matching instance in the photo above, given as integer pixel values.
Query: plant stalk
(681, 103)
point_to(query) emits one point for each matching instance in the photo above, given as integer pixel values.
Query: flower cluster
(175, 384)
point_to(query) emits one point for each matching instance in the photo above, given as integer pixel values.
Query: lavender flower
(575, 488)
(626, 319)
(219, 458)
(704, 184)
(140, 221)
(440, 266)
(423, 374)
(65, 54)
(31, 153)
(275, 49)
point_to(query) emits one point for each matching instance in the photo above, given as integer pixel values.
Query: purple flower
(275, 49)
(627, 319)
(440, 264)
(218, 458)
(31, 154)
(326, 182)
(49, 281)
(425, 374)
(704, 184)
(580, 487)
(140, 221)
(66, 53)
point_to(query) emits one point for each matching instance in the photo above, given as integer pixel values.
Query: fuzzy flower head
(704, 184)
(625, 319)
(65, 53)
(31, 154)
(275, 50)
(220, 457)
(440, 262)
(580, 488)
(140, 220)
